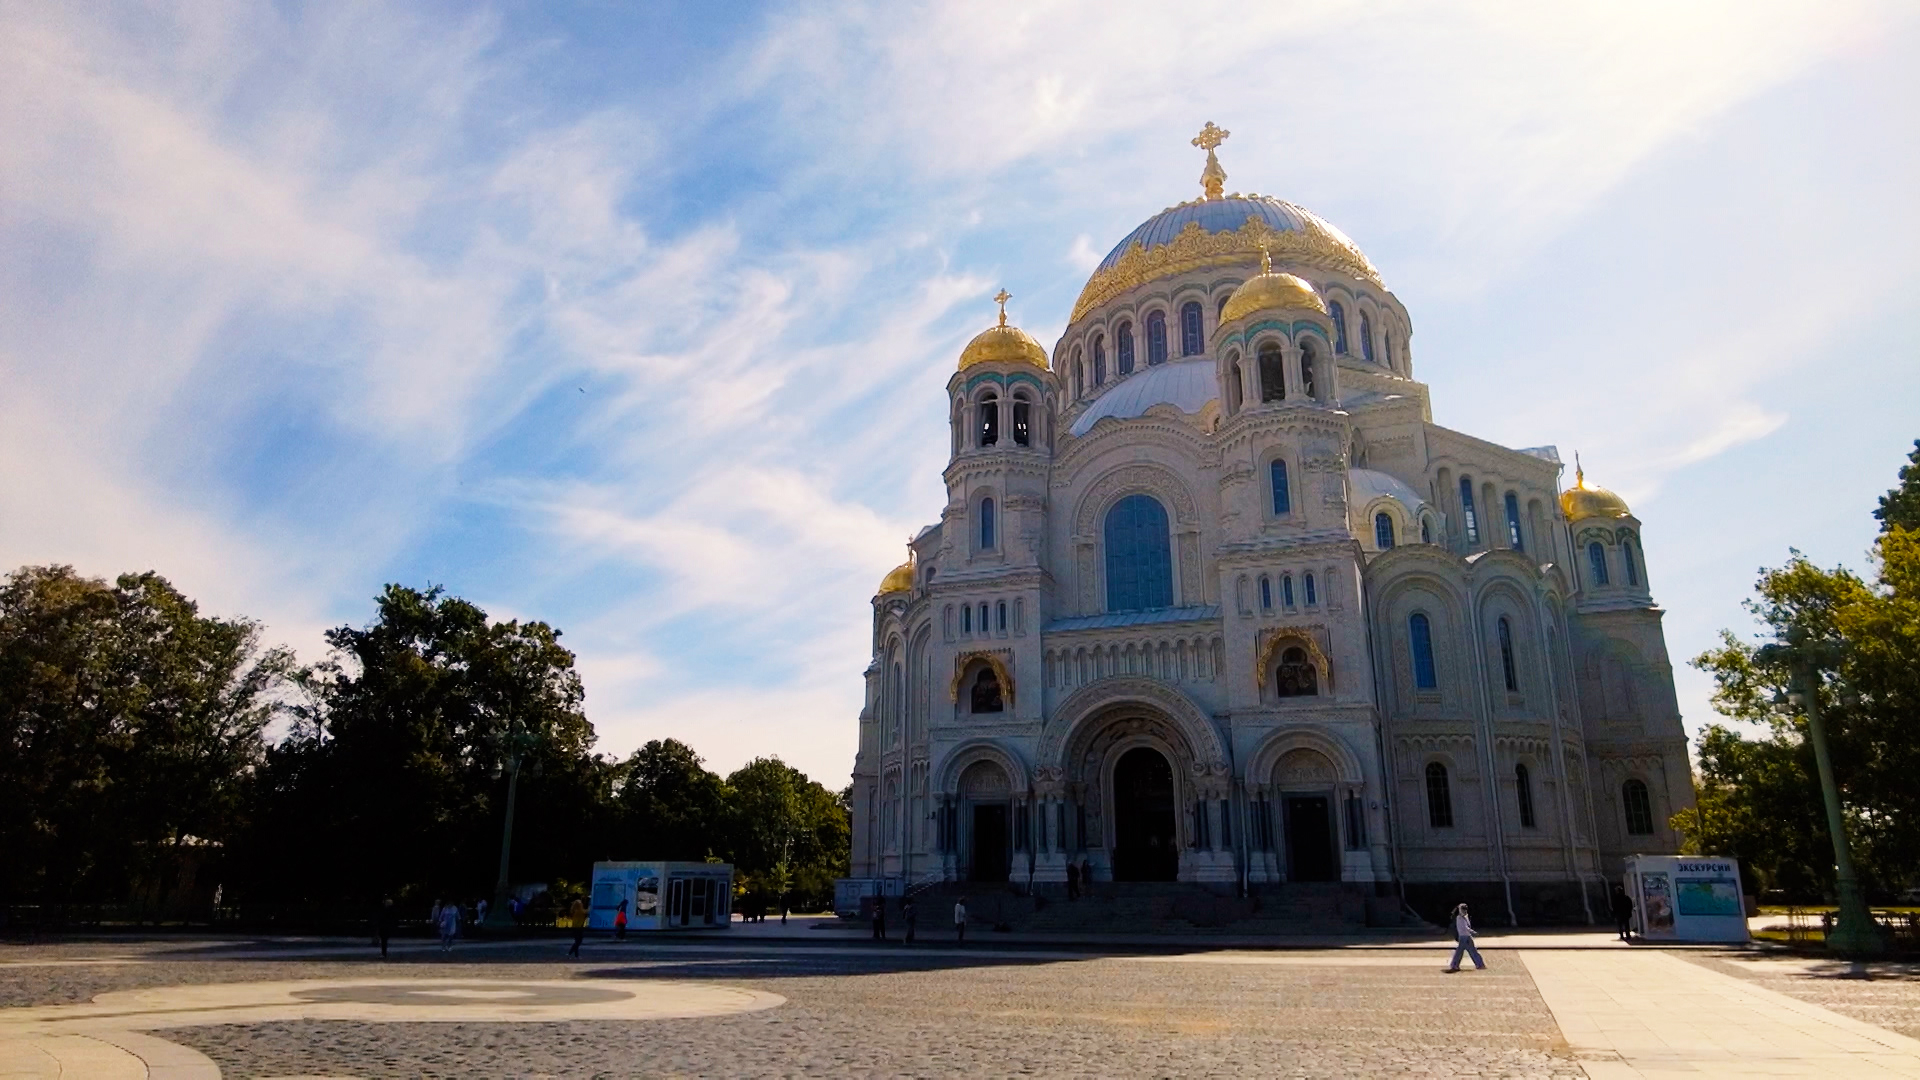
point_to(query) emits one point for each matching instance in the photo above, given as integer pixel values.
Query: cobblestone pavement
(1883, 992)
(852, 1011)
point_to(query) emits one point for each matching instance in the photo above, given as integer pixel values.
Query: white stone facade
(1543, 693)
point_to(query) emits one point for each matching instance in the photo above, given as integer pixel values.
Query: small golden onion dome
(1268, 290)
(1003, 344)
(1580, 501)
(898, 579)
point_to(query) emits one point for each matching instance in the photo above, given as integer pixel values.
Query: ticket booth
(662, 895)
(1686, 898)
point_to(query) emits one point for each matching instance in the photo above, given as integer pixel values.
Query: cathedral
(1213, 599)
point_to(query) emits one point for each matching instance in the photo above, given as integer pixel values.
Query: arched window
(1387, 357)
(1000, 613)
(1266, 593)
(986, 692)
(1079, 376)
(1099, 360)
(989, 421)
(1383, 531)
(966, 618)
(1307, 363)
(1626, 563)
(1022, 422)
(1514, 539)
(1366, 336)
(1523, 790)
(1307, 584)
(1467, 516)
(1234, 384)
(987, 530)
(1507, 670)
(1639, 806)
(1439, 797)
(1273, 373)
(1156, 338)
(1339, 327)
(1139, 558)
(1420, 643)
(1282, 497)
(1426, 530)
(1597, 562)
(1295, 676)
(1286, 589)
(1123, 348)
(1220, 306)
(985, 626)
(1190, 336)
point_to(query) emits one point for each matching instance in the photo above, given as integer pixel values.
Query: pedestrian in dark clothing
(1073, 881)
(577, 915)
(879, 918)
(383, 924)
(960, 921)
(1623, 913)
(907, 912)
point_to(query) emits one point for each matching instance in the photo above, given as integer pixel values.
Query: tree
(1867, 634)
(131, 727)
(670, 806)
(790, 834)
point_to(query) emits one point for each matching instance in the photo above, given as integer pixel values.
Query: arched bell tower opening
(1145, 835)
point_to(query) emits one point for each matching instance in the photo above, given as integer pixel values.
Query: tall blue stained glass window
(1339, 327)
(1266, 593)
(1366, 336)
(1420, 642)
(1156, 338)
(1123, 348)
(1514, 539)
(1597, 562)
(1191, 338)
(1099, 360)
(986, 525)
(1286, 589)
(1626, 563)
(1383, 531)
(1509, 674)
(1282, 498)
(1139, 555)
(1312, 599)
(1469, 518)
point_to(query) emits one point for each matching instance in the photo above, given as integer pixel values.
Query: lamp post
(517, 744)
(1854, 932)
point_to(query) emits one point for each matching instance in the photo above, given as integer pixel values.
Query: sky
(636, 319)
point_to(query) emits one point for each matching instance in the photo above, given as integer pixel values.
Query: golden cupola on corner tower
(1003, 344)
(1580, 501)
(898, 579)
(1268, 290)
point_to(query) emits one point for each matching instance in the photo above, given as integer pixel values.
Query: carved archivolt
(1125, 480)
(993, 660)
(1273, 641)
(976, 750)
(1090, 703)
(1286, 742)
(1414, 749)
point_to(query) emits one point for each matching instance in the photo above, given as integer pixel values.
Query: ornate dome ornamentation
(1003, 344)
(1581, 501)
(898, 579)
(1268, 290)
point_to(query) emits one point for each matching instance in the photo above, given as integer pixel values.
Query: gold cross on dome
(1211, 137)
(1002, 301)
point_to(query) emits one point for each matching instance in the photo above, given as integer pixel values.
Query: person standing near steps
(1463, 934)
(960, 920)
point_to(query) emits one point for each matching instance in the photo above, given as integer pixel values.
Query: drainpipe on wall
(1492, 774)
(1554, 634)
(1380, 743)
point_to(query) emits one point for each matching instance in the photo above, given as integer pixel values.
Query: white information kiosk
(1686, 898)
(662, 895)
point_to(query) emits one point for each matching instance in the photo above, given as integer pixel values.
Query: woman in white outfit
(1463, 934)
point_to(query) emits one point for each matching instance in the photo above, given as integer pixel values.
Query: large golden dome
(898, 579)
(1003, 344)
(1267, 290)
(1580, 501)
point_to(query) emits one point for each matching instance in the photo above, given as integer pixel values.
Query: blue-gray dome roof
(1185, 384)
(1217, 215)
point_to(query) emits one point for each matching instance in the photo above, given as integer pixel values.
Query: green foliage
(670, 806)
(1758, 799)
(131, 728)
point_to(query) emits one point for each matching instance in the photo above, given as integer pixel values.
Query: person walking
(1463, 934)
(620, 922)
(960, 921)
(449, 926)
(907, 913)
(383, 923)
(1623, 913)
(879, 918)
(1073, 881)
(577, 915)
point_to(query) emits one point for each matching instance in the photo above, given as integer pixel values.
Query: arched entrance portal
(1145, 848)
(986, 791)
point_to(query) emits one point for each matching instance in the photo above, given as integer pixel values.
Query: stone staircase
(1159, 908)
